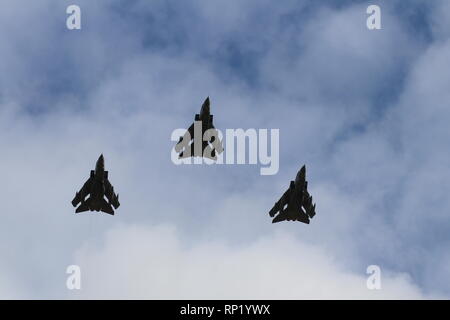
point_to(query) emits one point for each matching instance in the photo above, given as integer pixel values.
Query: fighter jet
(296, 203)
(97, 187)
(187, 149)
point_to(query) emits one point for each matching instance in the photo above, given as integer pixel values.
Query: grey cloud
(365, 112)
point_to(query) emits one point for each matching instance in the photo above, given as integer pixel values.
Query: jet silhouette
(97, 186)
(185, 149)
(296, 203)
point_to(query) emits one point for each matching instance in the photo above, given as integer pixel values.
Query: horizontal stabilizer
(280, 217)
(107, 208)
(83, 207)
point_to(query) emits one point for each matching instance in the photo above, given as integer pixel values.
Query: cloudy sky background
(366, 111)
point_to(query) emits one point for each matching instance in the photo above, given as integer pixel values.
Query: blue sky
(366, 111)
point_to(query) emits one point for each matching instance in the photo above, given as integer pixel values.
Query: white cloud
(153, 262)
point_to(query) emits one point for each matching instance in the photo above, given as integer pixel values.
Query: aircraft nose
(301, 175)
(100, 163)
(205, 107)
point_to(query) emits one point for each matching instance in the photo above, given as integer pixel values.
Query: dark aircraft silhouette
(296, 203)
(97, 187)
(184, 149)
